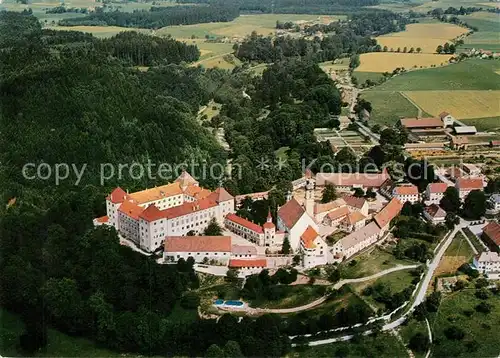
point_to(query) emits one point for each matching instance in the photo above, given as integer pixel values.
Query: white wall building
(488, 262)
(466, 185)
(448, 119)
(314, 249)
(200, 248)
(404, 193)
(353, 221)
(435, 214)
(356, 241)
(435, 191)
(248, 267)
(174, 209)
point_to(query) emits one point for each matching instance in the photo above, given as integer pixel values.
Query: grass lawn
(363, 76)
(484, 124)
(487, 38)
(59, 344)
(473, 74)
(293, 296)
(396, 281)
(480, 327)
(474, 240)
(388, 106)
(383, 345)
(370, 262)
(459, 247)
(281, 153)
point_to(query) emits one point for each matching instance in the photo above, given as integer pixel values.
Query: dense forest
(295, 6)
(343, 38)
(158, 17)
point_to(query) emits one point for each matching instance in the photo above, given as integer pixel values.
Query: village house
(487, 263)
(353, 221)
(321, 210)
(314, 249)
(356, 241)
(422, 123)
(357, 204)
(491, 235)
(174, 209)
(389, 212)
(200, 248)
(465, 185)
(334, 217)
(406, 192)
(247, 267)
(265, 235)
(434, 214)
(448, 119)
(435, 191)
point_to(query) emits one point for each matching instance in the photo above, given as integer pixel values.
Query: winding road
(336, 286)
(419, 297)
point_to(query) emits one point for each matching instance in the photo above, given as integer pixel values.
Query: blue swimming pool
(219, 302)
(233, 303)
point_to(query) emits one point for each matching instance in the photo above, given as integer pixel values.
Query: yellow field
(463, 104)
(425, 36)
(219, 61)
(387, 61)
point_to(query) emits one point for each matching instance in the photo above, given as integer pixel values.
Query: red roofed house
(248, 267)
(389, 212)
(294, 220)
(265, 235)
(314, 248)
(466, 185)
(435, 214)
(404, 193)
(348, 181)
(435, 191)
(491, 235)
(357, 241)
(200, 248)
(173, 209)
(336, 216)
(353, 222)
(357, 204)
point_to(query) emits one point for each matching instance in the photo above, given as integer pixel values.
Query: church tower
(309, 202)
(269, 231)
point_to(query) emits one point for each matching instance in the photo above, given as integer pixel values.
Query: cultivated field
(463, 104)
(425, 36)
(388, 106)
(488, 36)
(241, 26)
(387, 62)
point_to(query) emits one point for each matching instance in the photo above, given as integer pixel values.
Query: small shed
(465, 130)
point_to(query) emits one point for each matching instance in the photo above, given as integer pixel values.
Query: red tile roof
(245, 223)
(308, 237)
(185, 179)
(495, 142)
(338, 213)
(469, 184)
(455, 172)
(354, 201)
(435, 211)
(221, 195)
(492, 230)
(131, 209)
(118, 195)
(406, 190)
(248, 263)
(197, 244)
(290, 213)
(459, 140)
(321, 208)
(437, 187)
(269, 222)
(421, 122)
(352, 179)
(353, 218)
(389, 212)
(443, 114)
(102, 219)
(152, 213)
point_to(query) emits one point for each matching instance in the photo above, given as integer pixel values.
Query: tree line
(350, 37)
(157, 17)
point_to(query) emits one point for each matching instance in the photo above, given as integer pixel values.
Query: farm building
(471, 169)
(465, 130)
(447, 119)
(424, 146)
(459, 142)
(422, 123)
(491, 235)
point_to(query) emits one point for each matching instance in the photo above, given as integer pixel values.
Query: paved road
(419, 297)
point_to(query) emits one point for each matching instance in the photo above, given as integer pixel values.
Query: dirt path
(420, 112)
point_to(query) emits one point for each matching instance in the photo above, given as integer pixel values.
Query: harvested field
(463, 104)
(387, 61)
(425, 36)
